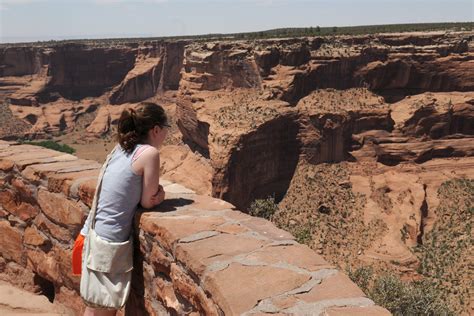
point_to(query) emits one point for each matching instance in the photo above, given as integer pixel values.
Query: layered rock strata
(190, 252)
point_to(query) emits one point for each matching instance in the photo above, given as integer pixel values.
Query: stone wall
(194, 255)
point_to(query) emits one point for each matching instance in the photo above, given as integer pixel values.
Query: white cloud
(14, 2)
(4, 4)
(128, 1)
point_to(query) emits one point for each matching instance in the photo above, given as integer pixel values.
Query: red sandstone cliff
(250, 115)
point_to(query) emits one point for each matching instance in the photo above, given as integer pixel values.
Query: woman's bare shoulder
(150, 154)
(147, 159)
(151, 151)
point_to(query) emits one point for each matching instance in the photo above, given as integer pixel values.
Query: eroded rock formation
(253, 115)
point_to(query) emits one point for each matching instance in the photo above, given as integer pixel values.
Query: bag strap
(98, 188)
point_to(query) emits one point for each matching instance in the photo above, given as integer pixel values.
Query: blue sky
(31, 20)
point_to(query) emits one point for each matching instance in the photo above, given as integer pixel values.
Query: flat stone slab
(23, 163)
(334, 287)
(16, 301)
(200, 254)
(177, 189)
(62, 182)
(21, 149)
(239, 288)
(35, 172)
(169, 229)
(300, 256)
(357, 311)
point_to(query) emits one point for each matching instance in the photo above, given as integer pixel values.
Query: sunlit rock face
(310, 121)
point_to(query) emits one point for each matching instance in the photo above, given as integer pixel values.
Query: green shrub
(413, 298)
(401, 298)
(264, 208)
(362, 277)
(303, 235)
(52, 145)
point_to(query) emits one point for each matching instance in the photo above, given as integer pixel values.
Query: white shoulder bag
(106, 266)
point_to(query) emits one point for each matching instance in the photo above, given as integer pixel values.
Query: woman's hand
(159, 196)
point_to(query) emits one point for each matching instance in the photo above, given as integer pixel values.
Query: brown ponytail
(134, 124)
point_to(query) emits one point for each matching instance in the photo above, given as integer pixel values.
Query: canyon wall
(287, 69)
(211, 83)
(253, 119)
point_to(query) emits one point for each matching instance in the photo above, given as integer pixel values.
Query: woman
(130, 178)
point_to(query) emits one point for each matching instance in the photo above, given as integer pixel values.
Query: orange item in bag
(77, 255)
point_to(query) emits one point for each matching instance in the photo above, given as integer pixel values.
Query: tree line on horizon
(275, 33)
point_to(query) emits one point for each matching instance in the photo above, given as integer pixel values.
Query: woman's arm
(152, 191)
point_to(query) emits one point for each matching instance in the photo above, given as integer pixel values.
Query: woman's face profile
(157, 135)
(162, 134)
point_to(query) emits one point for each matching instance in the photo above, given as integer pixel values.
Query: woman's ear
(152, 132)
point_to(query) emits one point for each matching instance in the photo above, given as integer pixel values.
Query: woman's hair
(134, 124)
